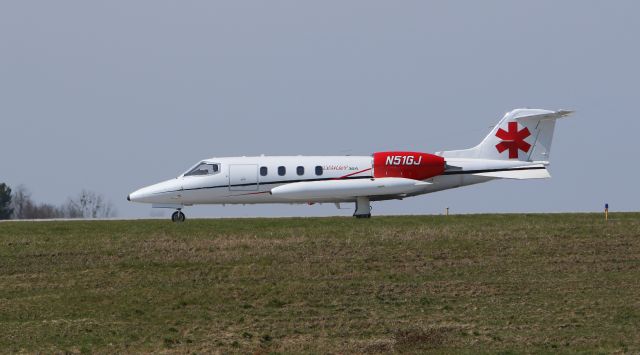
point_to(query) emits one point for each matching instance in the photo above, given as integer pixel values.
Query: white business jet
(517, 148)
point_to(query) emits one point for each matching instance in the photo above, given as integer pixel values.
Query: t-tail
(518, 147)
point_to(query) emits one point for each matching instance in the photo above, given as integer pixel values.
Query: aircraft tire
(178, 216)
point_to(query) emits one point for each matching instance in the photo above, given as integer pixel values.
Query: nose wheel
(178, 216)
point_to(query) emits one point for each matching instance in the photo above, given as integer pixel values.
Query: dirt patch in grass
(422, 338)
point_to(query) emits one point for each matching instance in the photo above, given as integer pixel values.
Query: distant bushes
(18, 204)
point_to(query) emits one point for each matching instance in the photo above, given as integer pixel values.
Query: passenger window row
(282, 171)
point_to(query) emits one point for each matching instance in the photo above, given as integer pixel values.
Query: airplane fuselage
(249, 180)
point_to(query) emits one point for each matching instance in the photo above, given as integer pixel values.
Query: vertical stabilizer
(522, 134)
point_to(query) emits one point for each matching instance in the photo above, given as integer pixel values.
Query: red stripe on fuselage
(357, 172)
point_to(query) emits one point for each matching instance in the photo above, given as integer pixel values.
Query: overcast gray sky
(114, 95)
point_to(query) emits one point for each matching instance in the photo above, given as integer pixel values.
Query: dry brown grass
(485, 283)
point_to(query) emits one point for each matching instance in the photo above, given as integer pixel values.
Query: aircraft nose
(162, 192)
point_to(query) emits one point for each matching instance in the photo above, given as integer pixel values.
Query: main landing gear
(363, 208)
(178, 216)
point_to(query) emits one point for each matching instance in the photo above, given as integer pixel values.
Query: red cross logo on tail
(513, 140)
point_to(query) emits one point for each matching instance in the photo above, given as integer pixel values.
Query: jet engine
(408, 165)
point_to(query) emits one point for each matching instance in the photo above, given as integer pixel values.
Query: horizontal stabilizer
(523, 174)
(552, 115)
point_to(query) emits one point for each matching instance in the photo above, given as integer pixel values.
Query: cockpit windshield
(204, 169)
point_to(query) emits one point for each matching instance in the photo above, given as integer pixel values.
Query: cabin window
(263, 171)
(300, 170)
(204, 169)
(318, 170)
(282, 170)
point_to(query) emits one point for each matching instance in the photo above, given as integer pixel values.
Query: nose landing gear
(178, 216)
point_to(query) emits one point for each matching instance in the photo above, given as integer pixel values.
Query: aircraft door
(243, 177)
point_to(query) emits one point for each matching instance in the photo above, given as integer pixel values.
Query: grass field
(474, 283)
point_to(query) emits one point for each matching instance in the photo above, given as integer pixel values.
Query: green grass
(476, 283)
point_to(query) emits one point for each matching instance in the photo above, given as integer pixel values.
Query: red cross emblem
(513, 140)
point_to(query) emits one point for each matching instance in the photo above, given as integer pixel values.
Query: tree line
(18, 204)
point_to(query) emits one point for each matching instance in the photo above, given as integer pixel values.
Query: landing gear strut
(363, 208)
(178, 216)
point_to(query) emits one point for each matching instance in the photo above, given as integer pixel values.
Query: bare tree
(41, 211)
(21, 202)
(71, 210)
(90, 205)
(87, 204)
(25, 208)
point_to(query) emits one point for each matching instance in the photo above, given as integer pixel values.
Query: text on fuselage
(403, 160)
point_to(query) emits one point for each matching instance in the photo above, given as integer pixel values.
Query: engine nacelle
(409, 165)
